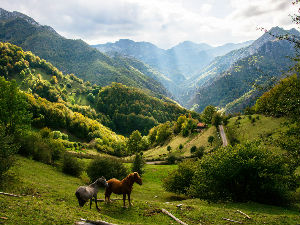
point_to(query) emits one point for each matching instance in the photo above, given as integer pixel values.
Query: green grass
(266, 128)
(198, 139)
(55, 202)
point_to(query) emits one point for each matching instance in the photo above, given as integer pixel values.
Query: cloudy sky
(162, 22)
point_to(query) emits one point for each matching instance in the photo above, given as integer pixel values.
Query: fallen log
(173, 217)
(9, 194)
(248, 217)
(235, 221)
(92, 222)
(103, 200)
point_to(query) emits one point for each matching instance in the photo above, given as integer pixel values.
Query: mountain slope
(178, 63)
(65, 101)
(70, 56)
(234, 76)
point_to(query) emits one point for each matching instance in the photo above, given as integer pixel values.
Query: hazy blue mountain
(147, 53)
(177, 63)
(224, 49)
(71, 56)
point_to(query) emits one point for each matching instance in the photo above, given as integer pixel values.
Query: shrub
(180, 146)
(108, 167)
(57, 134)
(45, 150)
(138, 164)
(199, 152)
(169, 148)
(244, 173)
(71, 165)
(7, 151)
(211, 139)
(193, 149)
(180, 180)
(171, 159)
(45, 132)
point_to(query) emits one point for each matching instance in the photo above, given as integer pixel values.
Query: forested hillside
(131, 109)
(238, 80)
(71, 56)
(118, 106)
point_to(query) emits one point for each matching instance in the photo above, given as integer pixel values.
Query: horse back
(117, 187)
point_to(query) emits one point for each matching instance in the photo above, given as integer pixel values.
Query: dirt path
(155, 162)
(223, 135)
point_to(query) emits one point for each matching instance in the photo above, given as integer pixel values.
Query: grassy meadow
(50, 200)
(264, 128)
(197, 139)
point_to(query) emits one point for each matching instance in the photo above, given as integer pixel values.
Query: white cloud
(162, 22)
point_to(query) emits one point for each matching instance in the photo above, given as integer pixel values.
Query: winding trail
(223, 135)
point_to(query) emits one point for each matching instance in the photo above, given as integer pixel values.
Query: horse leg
(107, 197)
(91, 200)
(129, 200)
(124, 198)
(96, 203)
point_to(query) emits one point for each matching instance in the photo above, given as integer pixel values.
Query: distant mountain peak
(6, 15)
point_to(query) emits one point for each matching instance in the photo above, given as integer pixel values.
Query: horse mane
(128, 178)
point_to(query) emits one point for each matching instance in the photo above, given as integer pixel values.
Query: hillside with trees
(71, 56)
(117, 106)
(240, 77)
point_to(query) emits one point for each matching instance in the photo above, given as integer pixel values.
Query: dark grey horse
(85, 193)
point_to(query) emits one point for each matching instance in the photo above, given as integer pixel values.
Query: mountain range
(74, 56)
(201, 71)
(178, 63)
(195, 75)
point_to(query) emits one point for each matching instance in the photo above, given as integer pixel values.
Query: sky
(164, 23)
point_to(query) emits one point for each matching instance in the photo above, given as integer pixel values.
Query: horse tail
(80, 201)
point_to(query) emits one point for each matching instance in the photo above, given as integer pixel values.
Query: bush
(199, 152)
(244, 173)
(180, 180)
(138, 164)
(7, 151)
(108, 167)
(171, 159)
(180, 146)
(57, 134)
(193, 149)
(71, 165)
(169, 148)
(45, 150)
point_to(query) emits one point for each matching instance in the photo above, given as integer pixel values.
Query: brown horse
(122, 187)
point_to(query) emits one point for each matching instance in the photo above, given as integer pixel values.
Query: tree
(208, 113)
(216, 119)
(134, 142)
(169, 148)
(7, 151)
(138, 163)
(14, 115)
(211, 139)
(245, 172)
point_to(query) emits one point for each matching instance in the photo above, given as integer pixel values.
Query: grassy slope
(187, 142)
(58, 205)
(267, 128)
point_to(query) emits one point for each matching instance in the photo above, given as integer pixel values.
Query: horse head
(102, 182)
(137, 178)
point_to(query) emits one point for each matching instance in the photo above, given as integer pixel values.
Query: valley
(72, 111)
